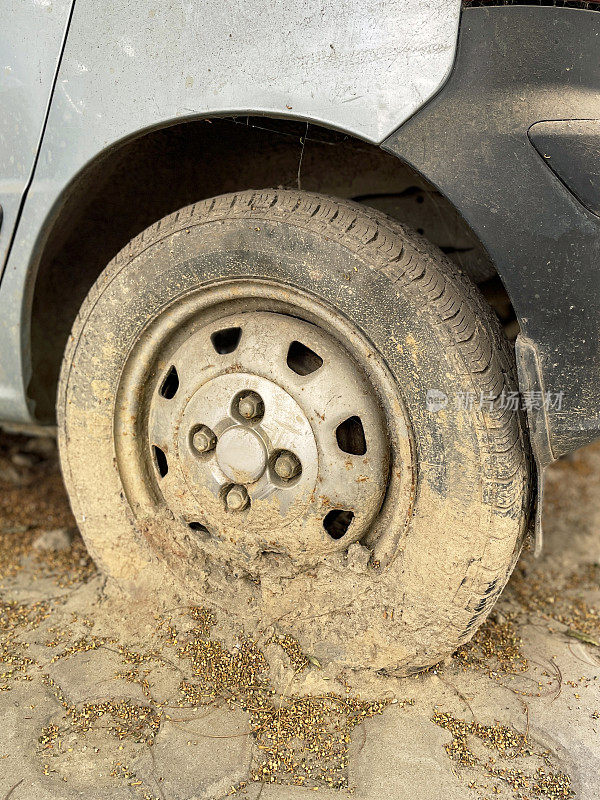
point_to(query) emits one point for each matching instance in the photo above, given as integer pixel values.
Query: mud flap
(530, 381)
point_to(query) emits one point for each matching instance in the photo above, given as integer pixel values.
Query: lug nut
(237, 498)
(287, 466)
(251, 406)
(204, 440)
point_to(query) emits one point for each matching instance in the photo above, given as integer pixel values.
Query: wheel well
(130, 187)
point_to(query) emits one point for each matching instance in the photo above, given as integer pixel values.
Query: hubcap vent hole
(226, 340)
(350, 436)
(169, 386)
(198, 526)
(201, 531)
(302, 360)
(337, 522)
(161, 461)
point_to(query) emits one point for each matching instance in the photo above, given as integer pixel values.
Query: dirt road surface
(105, 697)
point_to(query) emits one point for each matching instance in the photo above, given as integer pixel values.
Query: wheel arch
(138, 180)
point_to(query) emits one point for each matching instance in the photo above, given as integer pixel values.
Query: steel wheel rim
(340, 493)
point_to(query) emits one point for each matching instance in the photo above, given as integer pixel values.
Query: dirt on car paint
(99, 688)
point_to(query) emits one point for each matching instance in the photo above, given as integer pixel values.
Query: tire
(420, 564)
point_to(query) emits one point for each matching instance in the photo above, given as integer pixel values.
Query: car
(310, 293)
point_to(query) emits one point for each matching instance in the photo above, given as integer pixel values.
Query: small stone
(8, 474)
(26, 460)
(41, 445)
(59, 539)
(358, 557)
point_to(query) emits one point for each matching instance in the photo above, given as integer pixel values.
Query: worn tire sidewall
(453, 538)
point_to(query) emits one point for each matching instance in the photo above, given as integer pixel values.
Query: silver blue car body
(454, 92)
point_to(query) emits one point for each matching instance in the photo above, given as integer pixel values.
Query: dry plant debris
(302, 740)
(495, 648)
(15, 618)
(560, 598)
(506, 744)
(292, 649)
(127, 720)
(299, 739)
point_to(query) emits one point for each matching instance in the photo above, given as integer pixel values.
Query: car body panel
(362, 67)
(30, 46)
(570, 149)
(517, 66)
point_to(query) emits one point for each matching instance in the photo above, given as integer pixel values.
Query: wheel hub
(241, 455)
(246, 454)
(265, 436)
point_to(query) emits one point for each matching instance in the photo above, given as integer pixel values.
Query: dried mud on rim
(98, 692)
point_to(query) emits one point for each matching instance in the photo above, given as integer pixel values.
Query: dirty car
(310, 295)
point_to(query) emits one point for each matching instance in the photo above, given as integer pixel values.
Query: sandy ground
(106, 699)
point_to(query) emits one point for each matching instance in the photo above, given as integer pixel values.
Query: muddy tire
(295, 409)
